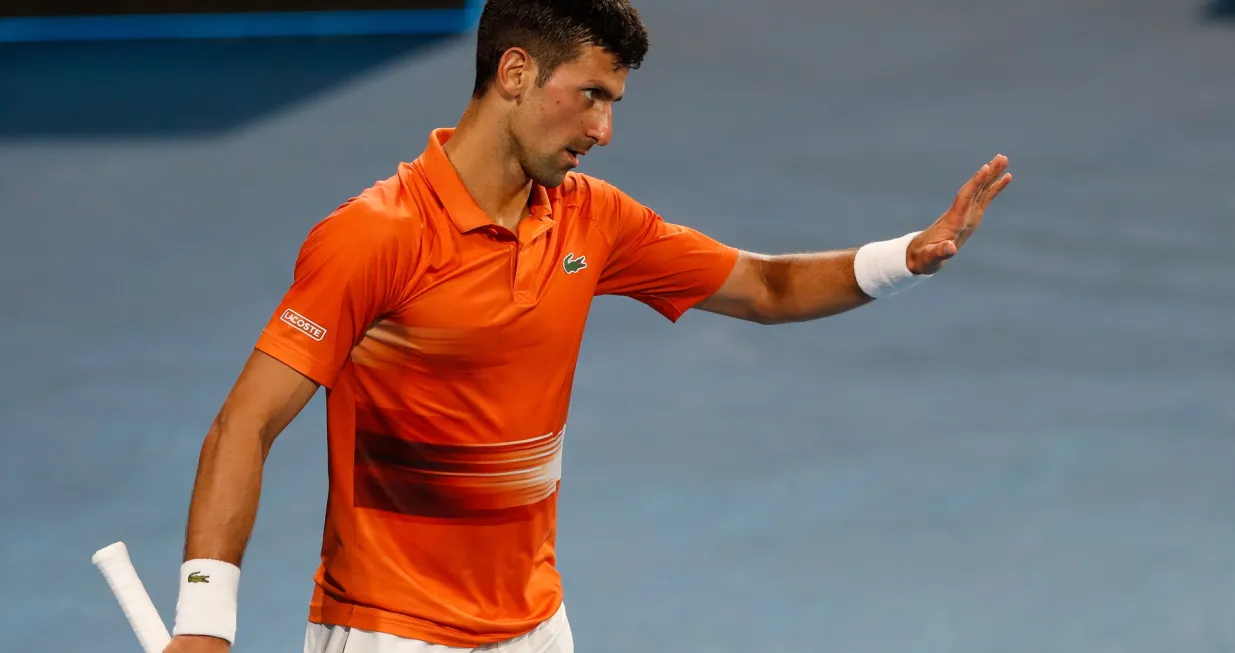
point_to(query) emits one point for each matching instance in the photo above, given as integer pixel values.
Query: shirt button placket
(523, 293)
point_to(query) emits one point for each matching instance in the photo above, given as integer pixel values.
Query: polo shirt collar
(459, 203)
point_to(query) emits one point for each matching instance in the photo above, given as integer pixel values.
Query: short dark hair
(554, 31)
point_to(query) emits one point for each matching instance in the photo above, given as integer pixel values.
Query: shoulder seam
(587, 182)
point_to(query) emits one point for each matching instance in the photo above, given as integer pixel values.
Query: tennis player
(443, 310)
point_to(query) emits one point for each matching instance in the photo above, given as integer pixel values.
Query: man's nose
(601, 129)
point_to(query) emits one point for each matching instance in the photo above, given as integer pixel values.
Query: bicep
(266, 397)
(745, 293)
(670, 267)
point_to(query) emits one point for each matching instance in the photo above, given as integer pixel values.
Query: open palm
(942, 240)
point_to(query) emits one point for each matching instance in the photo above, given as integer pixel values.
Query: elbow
(770, 311)
(764, 321)
(227, 434)
(779, 301)
(765, 317)
(767, 305)
(771, 319)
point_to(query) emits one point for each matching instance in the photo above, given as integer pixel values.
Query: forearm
(226, 493)
(803, 287)
(266, 397)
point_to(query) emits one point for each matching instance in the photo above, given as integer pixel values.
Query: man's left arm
(788, 288)
(775, 289)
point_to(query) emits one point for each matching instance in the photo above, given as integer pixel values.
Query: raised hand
(942, 240)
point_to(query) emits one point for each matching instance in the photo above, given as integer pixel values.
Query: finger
(935, 255)
(988, 175)
(983, 176)
(993, 171)
(998, 165)
(969, 191)
(940, 251)
(977, 192)
(996, 188)
(1003, 181)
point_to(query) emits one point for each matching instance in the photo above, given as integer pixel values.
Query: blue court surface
(1033, 452)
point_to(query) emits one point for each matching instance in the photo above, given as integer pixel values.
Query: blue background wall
(67, 21)
(1030, 453)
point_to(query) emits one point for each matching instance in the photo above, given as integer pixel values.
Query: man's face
(553, 125)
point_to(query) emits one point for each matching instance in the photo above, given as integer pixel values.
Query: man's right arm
(266, 397)
(352, 268)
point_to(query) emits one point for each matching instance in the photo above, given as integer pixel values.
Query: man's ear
(516, 73)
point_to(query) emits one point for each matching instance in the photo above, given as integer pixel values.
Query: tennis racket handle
(114, 563)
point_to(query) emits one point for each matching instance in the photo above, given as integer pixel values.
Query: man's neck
(484, 159)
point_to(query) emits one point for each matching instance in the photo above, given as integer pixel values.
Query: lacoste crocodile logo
(197, 577)
(572, 264)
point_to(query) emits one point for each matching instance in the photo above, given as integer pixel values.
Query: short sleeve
(669, 267)
(348, 273)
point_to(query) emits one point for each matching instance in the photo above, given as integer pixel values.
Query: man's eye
(589, 93)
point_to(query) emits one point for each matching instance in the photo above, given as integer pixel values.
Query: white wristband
(881, 270)
(208, 598)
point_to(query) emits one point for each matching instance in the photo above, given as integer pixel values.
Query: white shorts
(552, 636)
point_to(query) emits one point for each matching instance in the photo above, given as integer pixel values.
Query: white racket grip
(114, 563)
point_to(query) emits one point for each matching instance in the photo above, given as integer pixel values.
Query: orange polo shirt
(447, 345)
